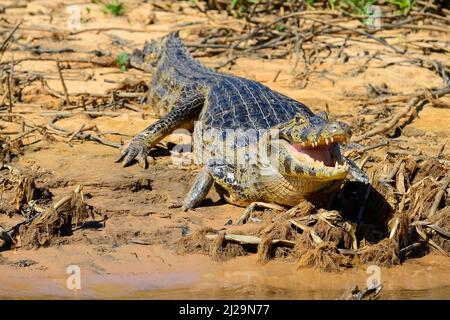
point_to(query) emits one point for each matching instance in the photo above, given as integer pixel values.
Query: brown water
(273, 293)
(140, 272)
(247, 293)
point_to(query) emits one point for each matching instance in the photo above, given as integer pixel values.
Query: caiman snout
(336, 130)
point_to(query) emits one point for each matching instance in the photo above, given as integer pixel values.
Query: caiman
(300, 150)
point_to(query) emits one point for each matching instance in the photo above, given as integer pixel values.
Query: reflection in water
(249, 293)
(276, 293)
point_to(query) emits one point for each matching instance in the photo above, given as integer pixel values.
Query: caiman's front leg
(185, 112)
(356, 173)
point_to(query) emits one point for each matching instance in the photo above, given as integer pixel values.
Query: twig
(363, 67)
(439, 230)
(276, 76)
(391, 124)
(23, 134)
(132, 107)
(431, 15)
(353, 30)
(394, 228)
(420, 27)
(243, 239)
(75, 133)
(390, 176)
(106, 63)
(66, 95)
(93, 137)
(2, 100)
(10, 84)
(439, 195)
(341, 49)
(375, 146)
(83, 135)
(72, 113)
(431, 242)
(364, 161)
(404, 97)
(246, 214)
(126, 95)
(8, 38)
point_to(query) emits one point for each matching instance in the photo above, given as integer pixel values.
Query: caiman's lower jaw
(319, 160)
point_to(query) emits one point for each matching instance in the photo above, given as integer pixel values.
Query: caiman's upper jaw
(324, 141)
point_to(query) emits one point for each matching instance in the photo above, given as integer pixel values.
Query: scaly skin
(189, 91)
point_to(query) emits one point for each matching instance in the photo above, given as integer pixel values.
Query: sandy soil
(112, 265)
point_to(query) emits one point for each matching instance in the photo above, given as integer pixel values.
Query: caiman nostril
(334, 127)
(337, 128)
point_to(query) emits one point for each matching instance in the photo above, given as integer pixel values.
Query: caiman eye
(299, 120)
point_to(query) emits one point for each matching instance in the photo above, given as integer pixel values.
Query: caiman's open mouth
(320, 155)
(320, 159)
(321, 152)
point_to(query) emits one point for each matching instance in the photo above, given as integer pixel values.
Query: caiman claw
(135, 149)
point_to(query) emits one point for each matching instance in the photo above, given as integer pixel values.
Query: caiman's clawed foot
(244, 217)
(135, 149)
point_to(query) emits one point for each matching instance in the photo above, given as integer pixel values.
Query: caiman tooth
(326, 141)
(332, 140)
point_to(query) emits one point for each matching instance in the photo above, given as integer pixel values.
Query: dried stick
(423, 27)
(394, 170)
(8, 38)
(83, 135)
(23, 134)
(106, 63)
(404, 97)
(364, 66)
(243, 239)
(10, 85)
(66, 94)
(431, 242)
(353, 30)
(391, 124)
(439, 195)
(75, 133)
(439, 230)
(2, 100)
(342, 48)
(244, 217)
